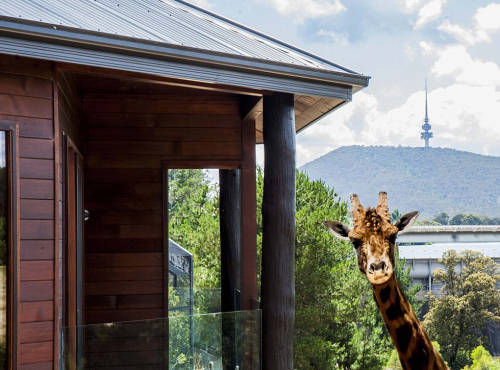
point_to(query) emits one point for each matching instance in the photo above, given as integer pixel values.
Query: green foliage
(468, 303)
(429, 180)
(465, 219)
(427, 223)
(442, 218)
(178, 326)
(470, 219)
(3, 241)
(337, 323)
(482, 360)
(194, 222)
(394, 364)
(395, 215)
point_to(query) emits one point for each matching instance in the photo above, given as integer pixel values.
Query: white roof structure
(436, 250)
(430, 242)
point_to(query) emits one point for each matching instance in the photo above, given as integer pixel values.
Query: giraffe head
(373, 237)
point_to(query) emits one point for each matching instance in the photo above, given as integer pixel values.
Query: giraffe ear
(406, 221)
(338, 229)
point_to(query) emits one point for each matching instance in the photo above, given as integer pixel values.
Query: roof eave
(29, 30)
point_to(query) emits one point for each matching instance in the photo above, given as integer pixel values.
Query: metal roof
(454, 229)
(171, 22)
(436, 250)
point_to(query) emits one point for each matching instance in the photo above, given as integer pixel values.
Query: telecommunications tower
(426, 134)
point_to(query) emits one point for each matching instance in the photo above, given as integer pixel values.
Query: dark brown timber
(230, 227)
(278, 243)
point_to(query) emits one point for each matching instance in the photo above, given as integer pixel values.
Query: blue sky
(455, 44)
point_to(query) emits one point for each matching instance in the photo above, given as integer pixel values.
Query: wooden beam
(136, 77)
(278, 240)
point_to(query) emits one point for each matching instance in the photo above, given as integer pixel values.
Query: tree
(395, 215)
(482, 360)
(337, 323)
(194, 222)
(442, 218)
(466, 219)
(394, 364)
(468, 303)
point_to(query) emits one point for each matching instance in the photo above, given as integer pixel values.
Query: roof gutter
(16, 37)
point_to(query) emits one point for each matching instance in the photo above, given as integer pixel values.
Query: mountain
(429, 180)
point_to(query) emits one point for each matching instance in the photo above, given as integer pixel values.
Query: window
(8, 246)
(4, 251)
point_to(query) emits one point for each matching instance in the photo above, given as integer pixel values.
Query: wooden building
(98, 99)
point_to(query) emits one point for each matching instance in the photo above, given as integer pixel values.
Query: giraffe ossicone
(374, 238)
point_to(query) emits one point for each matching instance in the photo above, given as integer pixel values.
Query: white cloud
(488, 17)
(306, 8)
(337, 38)
(462, 117)
(410, 6)
(464, 114)
(468, 36)
(456, 62)
(486, 22)
(429, 12)
(427, 48)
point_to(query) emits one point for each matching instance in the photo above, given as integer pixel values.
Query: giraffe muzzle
(379, 272)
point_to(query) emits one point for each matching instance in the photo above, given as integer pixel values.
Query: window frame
(11, 144)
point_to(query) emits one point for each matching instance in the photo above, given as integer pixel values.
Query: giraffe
(374, 237)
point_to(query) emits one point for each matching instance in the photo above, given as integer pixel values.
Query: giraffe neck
(414, 347)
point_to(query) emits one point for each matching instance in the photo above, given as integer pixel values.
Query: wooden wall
(26, 98)
(125, 139)
(128, 138)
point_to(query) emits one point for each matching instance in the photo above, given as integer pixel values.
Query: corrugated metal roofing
(170, 22)
(454, 228)
(436, 250)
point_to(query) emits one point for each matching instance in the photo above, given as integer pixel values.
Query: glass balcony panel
(229, 340)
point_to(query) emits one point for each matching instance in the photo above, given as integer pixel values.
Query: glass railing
(194, 301)
(229, 340)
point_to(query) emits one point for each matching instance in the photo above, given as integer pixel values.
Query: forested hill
(431, 180)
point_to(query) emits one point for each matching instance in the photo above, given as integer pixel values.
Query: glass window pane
(4, 255)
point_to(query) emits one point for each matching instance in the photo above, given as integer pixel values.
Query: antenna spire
(426, 134)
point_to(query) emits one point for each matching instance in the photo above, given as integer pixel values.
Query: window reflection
(3, 252)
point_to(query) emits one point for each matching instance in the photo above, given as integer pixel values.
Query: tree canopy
(469, 301)
(465, 219)
(337, 323)
(482, 360)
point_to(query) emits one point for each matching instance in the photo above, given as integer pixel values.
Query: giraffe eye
(356, 242)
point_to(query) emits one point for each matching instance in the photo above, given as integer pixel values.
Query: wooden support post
(248, 217)
(278, 240)
(249, 336)
(230, 210)
(229, 181)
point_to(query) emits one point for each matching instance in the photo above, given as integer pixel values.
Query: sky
(399, 43)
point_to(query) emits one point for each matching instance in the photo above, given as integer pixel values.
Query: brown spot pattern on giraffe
(375, 237)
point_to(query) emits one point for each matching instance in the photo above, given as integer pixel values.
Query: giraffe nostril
(382, 266)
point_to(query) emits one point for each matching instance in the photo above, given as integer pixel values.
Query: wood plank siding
(129, 140)
(126, 140)
(26, 98)
(129, 137)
